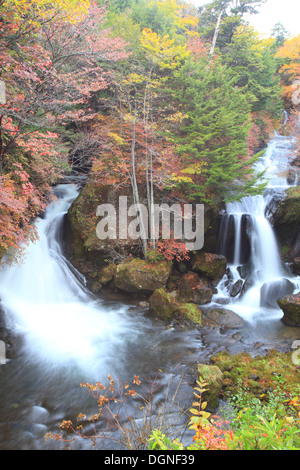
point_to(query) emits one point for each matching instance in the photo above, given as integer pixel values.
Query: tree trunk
(135, 190)
(213, 45)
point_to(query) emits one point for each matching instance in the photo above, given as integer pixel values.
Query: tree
(251, 60)
(215, 164)
(220, 19)
(289, 71)
(135, 147)
(53, 65)
(165, 16)
(280, 34)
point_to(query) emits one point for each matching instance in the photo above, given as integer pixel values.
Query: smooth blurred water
(265, 267)
(63, 335)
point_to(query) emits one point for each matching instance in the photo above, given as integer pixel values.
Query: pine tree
(212, 142)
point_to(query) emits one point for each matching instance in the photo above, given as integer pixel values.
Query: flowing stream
(63, 335)
(256, 277)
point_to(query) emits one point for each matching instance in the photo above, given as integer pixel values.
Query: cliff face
(286, 222)
(82, 245)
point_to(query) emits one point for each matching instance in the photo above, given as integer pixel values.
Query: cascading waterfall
(47, 299)
(256, 277)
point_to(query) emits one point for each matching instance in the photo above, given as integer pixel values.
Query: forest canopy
(153, 95)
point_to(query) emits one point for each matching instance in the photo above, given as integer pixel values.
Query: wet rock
(248, 283)
(138, 275)
(244, 271)
(291, 177)
(220, 317)
(163, 304)
(286, 220)
(290, 305)
(81, 243)
(106, 274)
(210, 265)
(189, 312)
(237, 336)
(192, 289)
(235, 289)
(295, 266)
(166, 306)
(213, 376)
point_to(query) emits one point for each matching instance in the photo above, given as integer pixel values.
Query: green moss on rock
(138, 275)
(259, 375)
(192, 289)
(286, 219)
(190, 312)
(163, 304)
(290, 305)
(213, 376)
(209, 265)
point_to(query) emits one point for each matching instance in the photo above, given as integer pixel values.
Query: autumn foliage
(133, 97)
(51, 65)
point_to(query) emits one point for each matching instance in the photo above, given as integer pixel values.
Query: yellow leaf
(195, 412)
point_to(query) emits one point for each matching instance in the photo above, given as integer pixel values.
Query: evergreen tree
(251, 60)
(213, 141)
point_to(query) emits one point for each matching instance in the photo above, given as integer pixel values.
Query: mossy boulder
(192, 289)
(213, 377)
(290, 305)
(210, 265)
(82, 245)
(163, 304)
(189, 312)
(259, 376)
(166, 306)
(286, 220)
(137, 275)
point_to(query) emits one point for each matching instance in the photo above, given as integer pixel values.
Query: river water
(62, 335)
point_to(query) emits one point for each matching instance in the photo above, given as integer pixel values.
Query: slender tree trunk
(152, 222)
(135, 190)
(213, 45)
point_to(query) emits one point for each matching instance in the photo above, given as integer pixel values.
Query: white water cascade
(46, 298)
(256, 277)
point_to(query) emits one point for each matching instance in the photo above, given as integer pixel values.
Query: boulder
(290, 305)
(82, 246)
(223, 318)
(163, 304)
(286, 221)
(295, 266)
(210, 265)
(189, 312)
(137, 275)
(213, 377)
(106, 274)
(235, 288)
(166, 306)
(192, 289)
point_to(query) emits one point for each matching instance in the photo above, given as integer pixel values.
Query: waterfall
(260, 275)
(47, 299)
